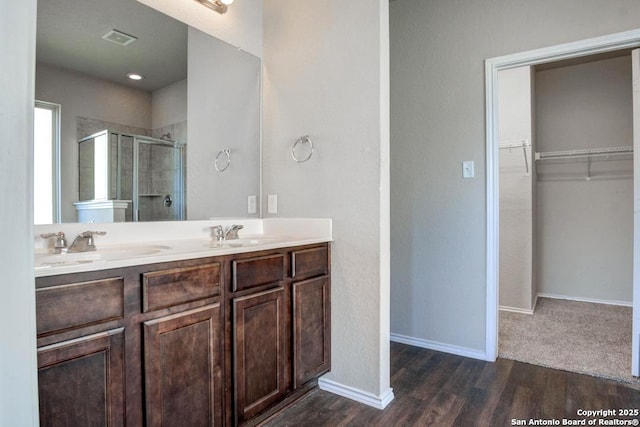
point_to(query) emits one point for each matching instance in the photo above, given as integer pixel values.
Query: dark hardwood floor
(433, 388)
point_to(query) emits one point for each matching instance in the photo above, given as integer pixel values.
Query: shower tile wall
(178, 132)
(86, 182)
(86, 127)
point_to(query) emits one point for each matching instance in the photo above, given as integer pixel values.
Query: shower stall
(132, 177)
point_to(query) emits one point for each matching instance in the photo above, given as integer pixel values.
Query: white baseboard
(515, 309)
(438, 346)
(520, 310)
(593, 300)
(370, 399)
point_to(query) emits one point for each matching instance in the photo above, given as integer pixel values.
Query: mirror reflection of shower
(124, 178)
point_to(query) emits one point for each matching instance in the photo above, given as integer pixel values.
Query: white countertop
(129, 244)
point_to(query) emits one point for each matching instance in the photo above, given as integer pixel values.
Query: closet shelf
(522, 143)
(588, 152)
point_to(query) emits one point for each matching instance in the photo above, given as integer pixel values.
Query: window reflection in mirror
(46, 143)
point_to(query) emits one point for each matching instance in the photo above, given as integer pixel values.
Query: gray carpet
(587, 338)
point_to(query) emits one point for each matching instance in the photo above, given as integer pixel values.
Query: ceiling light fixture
(219, 6)
(134, 76)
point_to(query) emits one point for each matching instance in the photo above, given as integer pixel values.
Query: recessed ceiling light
(134, 76)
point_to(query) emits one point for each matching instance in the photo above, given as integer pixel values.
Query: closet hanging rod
(588, 152)
(522, 143)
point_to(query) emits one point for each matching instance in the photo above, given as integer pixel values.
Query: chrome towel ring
(302, 140)
(225, 161)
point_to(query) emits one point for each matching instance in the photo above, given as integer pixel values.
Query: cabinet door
(182, 369)
(311, 329)
(260, 351)
(81, 381)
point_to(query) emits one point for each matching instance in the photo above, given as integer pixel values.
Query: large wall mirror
(182, 142)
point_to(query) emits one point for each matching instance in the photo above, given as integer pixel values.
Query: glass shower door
(160, 181)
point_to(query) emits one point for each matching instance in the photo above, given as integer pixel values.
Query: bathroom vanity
(225, 337)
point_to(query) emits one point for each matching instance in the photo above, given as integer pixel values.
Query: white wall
(18, 369)
(224, 112)
(326, 75)
(585, 234)
(438, 224)
(516, 195)
(241, 26)
(84, 96)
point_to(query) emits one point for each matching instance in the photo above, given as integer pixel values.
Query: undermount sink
(101, 254)
(238, 243)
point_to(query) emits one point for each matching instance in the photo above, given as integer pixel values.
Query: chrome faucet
(61, 241)
(232, 232)
(84, 241)
(219, 234)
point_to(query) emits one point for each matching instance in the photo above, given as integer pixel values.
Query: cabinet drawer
(252, 272)
(165, 288)
(310, 262)
(76, 305)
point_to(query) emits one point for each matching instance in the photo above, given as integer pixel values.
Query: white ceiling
(70, 36)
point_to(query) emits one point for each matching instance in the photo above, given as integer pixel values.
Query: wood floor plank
(553, 395)
(442, 410)
(439, 389)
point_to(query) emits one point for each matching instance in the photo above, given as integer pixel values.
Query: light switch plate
(468, 169)
(251, 204)
(272, 204)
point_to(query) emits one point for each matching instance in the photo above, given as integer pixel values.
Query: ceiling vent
(119, 37)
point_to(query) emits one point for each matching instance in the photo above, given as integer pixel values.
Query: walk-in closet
(566, 214)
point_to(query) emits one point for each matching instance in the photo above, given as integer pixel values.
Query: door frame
(617, 41)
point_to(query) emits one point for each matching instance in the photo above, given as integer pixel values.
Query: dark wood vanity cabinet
(260, 362)
(311, 307)
(182, 344)
(81, 353)
(183, 368)
(203, 342)
(311, 329)
(81, 381)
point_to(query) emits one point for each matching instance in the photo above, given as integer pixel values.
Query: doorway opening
(568, 51)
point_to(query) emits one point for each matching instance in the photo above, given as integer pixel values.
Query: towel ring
(302, 140)
(227, 161)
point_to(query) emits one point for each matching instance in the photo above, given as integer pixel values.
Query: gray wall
(438, 223)
(325, 76)
(84, 96)
(516, 190)
(224, 112)
(18, 368)
(169, 105)
(585, 235)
